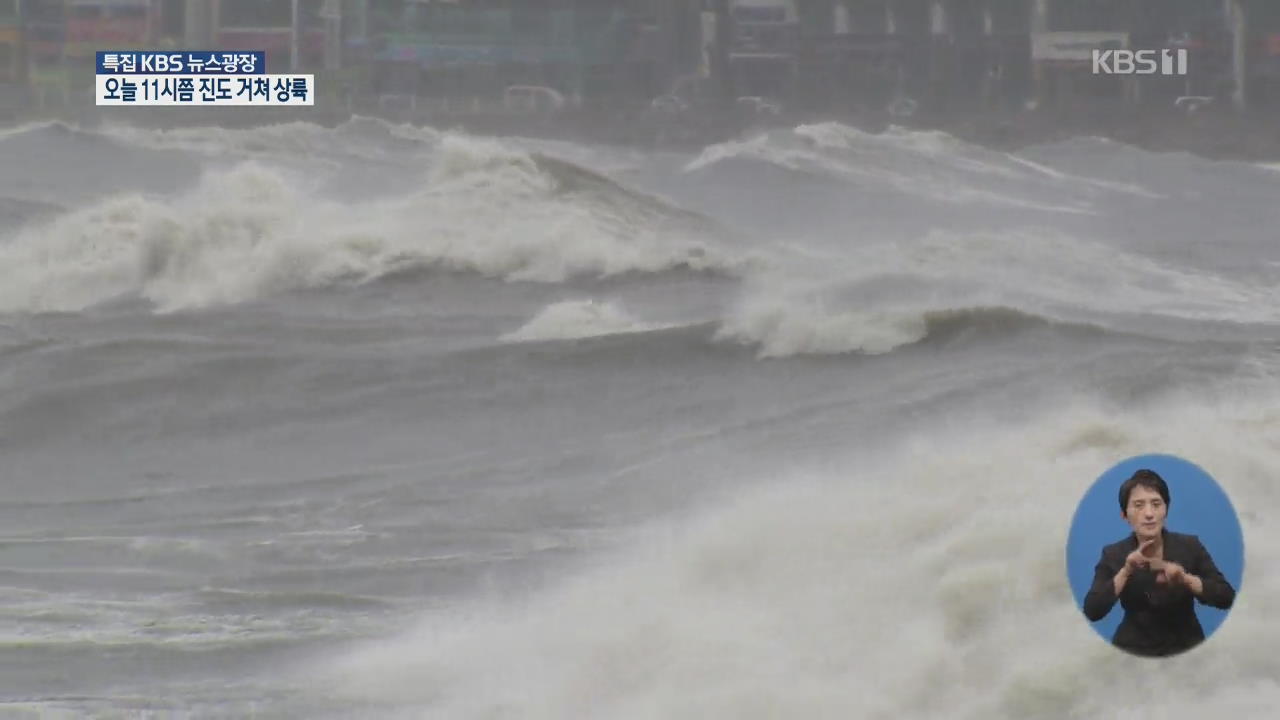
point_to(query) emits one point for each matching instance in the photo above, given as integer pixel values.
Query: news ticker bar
(205, 90)
(232, 78)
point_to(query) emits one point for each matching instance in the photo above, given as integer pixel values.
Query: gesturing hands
(1140, 557)
(1167, 572)
(1170, 572)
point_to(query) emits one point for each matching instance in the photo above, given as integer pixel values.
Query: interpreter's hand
(1172, 573)
(1140, 557)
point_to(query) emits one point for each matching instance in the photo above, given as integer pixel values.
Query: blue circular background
(1197, 506)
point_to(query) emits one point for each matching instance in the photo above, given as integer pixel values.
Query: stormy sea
(385, 421)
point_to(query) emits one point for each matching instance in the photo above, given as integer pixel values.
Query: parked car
(756, 105)
(669, 104)
(532, 99)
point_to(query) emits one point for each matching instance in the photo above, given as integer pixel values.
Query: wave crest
(251, 231)
(789, 328)
(578, 319)
(930, 165)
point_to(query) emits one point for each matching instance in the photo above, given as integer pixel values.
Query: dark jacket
(1158, 619)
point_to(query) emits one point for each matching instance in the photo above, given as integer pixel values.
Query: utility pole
(331, 12)
(197, 18)
(1239, 21)
(722, 71)
(669, 46)
(992, 59)
(941, 56)
(23, 74)
(1039, 25)
(294, 20)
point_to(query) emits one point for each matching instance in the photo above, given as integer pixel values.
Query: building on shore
(840, 55)
(764, 47)
(926, 54)
(943, 55)
(12, 43)
(93, 25)
(290, 32)
(1233, 48)
(581, 48)
(1262, 52)
(61, 37)
(1066, 33)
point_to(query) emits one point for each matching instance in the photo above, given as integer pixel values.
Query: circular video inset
(1155, 556)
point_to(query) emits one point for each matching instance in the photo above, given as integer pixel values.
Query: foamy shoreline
(1214, 133)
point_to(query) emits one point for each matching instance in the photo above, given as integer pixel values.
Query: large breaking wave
(252, 231)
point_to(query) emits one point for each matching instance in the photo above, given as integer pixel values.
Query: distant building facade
(578, 47)
(12, 42)
(935, 55)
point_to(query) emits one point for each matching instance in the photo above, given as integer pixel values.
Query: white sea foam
(878, 296)
(928, 165)
(576, 319)
(1054, 270)
(927, 581)
(784, 327)
(251, 232)
(358, 137)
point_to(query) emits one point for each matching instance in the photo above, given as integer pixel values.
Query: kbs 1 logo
(1140, 62)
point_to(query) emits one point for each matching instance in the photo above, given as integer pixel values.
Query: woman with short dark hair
(1157, 576)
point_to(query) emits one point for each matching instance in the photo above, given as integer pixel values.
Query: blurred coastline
(1253, 137)
(682, 74)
